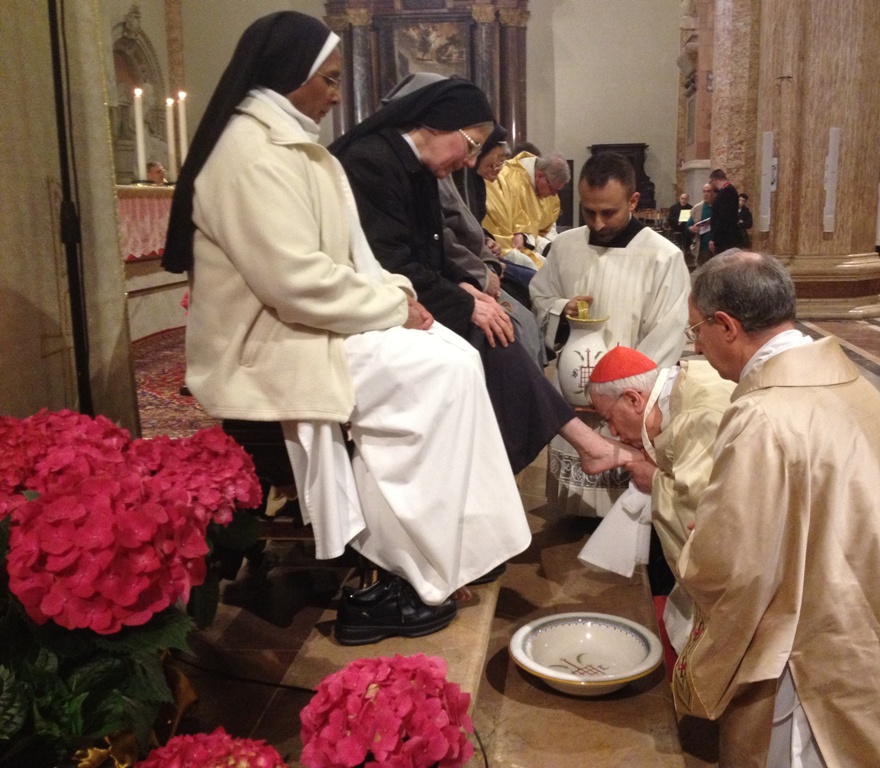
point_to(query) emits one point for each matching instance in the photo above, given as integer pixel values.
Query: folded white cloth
(623, 537)
(678, 618)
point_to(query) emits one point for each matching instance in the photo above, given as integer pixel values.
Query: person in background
(744, 218)
(156, 172)
(699, 224)
(471, 183)
(678, 224)
(522, 206)
(782, 561)
(292, 320)
(725, 230)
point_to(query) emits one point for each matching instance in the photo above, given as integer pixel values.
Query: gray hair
(751, 287)
(642, 382)
(555, 167)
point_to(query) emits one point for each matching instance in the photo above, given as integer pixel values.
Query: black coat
(726, 232)
(399, 206)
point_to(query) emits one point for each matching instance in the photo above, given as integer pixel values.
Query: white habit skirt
(429, 494)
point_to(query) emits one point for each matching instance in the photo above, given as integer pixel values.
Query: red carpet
(159, 368)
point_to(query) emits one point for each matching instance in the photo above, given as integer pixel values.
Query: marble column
(485, 53)
(174, 35)
(341, 115)
(734, 88)
(359, 99)
(513, 72)
(362, 84)
(816, 77)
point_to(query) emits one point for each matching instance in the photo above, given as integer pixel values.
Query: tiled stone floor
(262, 625)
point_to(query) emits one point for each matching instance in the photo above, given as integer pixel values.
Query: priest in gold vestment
(782, 562)
(522, 206)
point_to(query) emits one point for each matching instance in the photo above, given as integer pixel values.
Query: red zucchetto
(620, 363)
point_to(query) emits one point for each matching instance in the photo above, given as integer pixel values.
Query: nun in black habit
(393, 160)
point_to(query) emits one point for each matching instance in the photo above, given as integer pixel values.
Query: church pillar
(354, 27)
(696, 61)
(734, 90)
(485, 52)
(811, 86)
(513, 72)
(174, 35)
(363, 83)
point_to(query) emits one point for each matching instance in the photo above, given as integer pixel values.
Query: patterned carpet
(159, 372)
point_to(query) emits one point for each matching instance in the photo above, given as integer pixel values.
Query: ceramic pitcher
(585, 345)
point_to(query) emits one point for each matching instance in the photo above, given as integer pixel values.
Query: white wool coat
(274, 291)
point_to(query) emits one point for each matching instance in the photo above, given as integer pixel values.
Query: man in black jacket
(726, 232)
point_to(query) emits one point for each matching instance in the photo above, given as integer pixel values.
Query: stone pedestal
(694, 175)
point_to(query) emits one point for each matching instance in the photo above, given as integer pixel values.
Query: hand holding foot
(604, 454)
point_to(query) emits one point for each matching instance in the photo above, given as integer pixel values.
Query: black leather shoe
(389, 608)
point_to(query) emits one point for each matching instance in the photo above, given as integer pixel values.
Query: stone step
(462, 644)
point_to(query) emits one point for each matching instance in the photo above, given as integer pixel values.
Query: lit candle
(139, 135)
(181, 114)
(169, 134)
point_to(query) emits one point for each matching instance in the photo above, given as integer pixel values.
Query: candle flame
(181, 95)
(169, 102)
(138, 91)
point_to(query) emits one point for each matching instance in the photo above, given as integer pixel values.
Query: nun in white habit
(291, 319)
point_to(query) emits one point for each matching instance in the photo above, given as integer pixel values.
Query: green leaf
(168, 629)
(147, 681)
(15, 703)
(59, 717)
(100, 673)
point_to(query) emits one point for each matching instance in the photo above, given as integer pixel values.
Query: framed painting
(408, 45)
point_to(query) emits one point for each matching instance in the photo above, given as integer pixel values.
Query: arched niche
(136, 65)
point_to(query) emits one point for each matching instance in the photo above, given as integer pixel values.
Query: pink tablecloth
(143, 221)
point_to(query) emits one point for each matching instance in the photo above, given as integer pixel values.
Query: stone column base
(836, 287)
(695, 173)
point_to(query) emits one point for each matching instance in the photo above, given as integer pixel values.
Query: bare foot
(596, 453)
(607, 455)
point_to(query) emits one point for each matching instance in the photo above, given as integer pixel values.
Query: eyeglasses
(689, 332)
(333, 82)
(475, 146)
(554, 187)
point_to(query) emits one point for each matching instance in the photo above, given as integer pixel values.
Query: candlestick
(171, 171)
(181, 114)
(139, 135)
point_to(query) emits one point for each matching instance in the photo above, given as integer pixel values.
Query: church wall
(211, 29)
(34, 343)
(597, 72)
(35, 325)
(606, 73)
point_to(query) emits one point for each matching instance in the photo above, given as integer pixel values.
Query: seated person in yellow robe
(522, 206)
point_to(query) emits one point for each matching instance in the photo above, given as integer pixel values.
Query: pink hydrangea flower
(214, 750)
(385, 712)
(117, 532)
